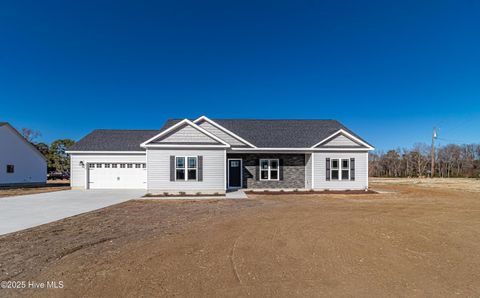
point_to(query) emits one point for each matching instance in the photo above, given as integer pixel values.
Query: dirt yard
(410, 240)
(51, 186)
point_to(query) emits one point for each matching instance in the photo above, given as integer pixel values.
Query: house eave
(297, 150)
(184, 146)
(103, 152)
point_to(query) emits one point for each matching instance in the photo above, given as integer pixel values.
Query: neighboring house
(20, 162)
(209, 156)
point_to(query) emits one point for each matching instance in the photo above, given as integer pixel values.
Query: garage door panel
(120, 176)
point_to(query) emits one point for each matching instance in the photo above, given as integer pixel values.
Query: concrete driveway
(22, 212)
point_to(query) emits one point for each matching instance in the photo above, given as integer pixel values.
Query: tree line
(57, 159)
(450, 161)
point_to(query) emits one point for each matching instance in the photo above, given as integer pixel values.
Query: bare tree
(30, 134)
(451, 161)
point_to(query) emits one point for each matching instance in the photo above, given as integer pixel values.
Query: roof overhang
(297, 150)
(349, 135)
(147, 144)
(104, 152)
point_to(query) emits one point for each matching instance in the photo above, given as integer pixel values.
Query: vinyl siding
(222, 135)
(341, 141)
(158, 171)
(361, 171)
(308, 171)
(186, 134)
(77, 172)
(29, 166)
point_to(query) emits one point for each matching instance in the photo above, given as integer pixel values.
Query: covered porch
(268, 170)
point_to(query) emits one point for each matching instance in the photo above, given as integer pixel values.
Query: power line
(455, 141)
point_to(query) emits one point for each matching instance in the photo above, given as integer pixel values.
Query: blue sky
(388, 70)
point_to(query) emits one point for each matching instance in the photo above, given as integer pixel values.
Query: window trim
(186, 168)
(340, 168)
(269, 169)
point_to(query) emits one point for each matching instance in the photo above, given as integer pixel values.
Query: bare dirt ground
(414, 240)
(464, 184)
(51, 186)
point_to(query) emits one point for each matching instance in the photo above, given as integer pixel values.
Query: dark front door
(234, 173)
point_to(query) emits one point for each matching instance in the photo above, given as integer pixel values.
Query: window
(192, 168)
(91, 165)
(10, 169)
(340, 169)
(144, 165)
(345, 169)
(334, 169)
(99, 165)
(107, 165)
(186, 168)
(114, 165)
(129, 165)
(180, 168)
(122, 165)
(269, 169)
(137, 166)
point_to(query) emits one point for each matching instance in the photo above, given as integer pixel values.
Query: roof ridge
(120, 129)
(258, 119)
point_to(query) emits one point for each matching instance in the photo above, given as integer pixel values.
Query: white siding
(158, 171)
(308, 171)
(29, 165)
(186, 134)
(341, 141)
(221, 134)
(361, 171)
(77, 172)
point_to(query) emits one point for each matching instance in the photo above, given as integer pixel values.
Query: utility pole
(434, 136)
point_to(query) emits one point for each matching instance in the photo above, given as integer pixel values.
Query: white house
(212, 156)
(20, 162)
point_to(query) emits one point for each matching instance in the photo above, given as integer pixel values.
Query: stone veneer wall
(293, 170)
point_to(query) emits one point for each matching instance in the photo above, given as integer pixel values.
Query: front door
(234, 173)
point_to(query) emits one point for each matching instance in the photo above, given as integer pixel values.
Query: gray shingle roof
(114, 140)
(282, 133)
(261, 133)
(273, 133)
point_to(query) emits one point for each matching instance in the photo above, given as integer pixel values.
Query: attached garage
(107, 175)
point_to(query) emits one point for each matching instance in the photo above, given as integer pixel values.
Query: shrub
(166, 194)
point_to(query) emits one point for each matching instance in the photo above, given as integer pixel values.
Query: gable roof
(261, 133)
(184, 122)
(280, 133)
(35, 149)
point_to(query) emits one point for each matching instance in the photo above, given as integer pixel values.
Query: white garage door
(117, 175)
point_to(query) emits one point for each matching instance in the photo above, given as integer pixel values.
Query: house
(20, 162)
(212, 156)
